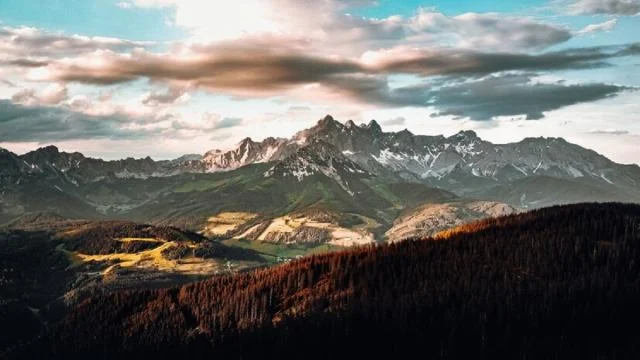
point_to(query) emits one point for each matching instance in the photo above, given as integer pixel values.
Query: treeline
(557, 283)
(99, 238)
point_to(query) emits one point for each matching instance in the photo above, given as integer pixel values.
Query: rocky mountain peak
(48, 151)
(48, 155)
(328, 122)
(466, 134)
(350, 124)
(405, 133)
(318, 158)
(246, 142)
(373, 126)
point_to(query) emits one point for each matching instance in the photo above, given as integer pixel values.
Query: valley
(99, 229)
(513, 283)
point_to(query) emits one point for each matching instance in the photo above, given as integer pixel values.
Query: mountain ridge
(463, 163)
(342, 167)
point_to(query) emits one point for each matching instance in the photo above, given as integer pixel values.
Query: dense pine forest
(556, 283)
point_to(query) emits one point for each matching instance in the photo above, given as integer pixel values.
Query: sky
(163, 78)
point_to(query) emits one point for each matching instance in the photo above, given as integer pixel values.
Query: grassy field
(152, 259)
(225, 222)
(271, 252)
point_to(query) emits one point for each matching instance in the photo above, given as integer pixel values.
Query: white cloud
(397, 121)
(601, 27)
(32, 42)
(53, 94)
(488, 31)
(608, 132)
(324, 25)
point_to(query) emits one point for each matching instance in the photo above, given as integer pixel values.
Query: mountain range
(367, 178)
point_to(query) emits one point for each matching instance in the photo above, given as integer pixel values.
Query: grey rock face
(463, 163)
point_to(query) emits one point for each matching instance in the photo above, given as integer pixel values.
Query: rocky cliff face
(463, 163)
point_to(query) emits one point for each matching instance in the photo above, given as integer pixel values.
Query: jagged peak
(350, 124)
(50, 149)
(468, 134)
(373, 126)
(327, 121)
(405, 132)
(246, 141)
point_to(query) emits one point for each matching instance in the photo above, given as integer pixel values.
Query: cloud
(400, 120)
(171, 96)
(226, 123)
(45, 123)
(616, 7)
(326, 25)
(248, 70)
(32, 42)
(428, 62)
(608, 132)
(601, 27)
(209, 122)
(477, 99)
(489, 31)
(124, 5)
(231, 68)
(25, 63)
(20, 123)
(52, 95)
(216, 20)
(216, 121)
(514, 95)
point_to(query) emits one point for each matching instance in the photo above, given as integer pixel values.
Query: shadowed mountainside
(560, 282)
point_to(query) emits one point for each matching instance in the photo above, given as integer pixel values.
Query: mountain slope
(464, 163)
(560, 282)
(316, 179)
(345, 168)
(429, 219)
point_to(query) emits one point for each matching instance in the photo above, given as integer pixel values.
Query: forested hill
(556, 283)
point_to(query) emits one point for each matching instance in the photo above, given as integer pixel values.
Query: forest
(555, 283)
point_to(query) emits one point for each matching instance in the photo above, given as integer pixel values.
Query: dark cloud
(252, 70)
(452, 62)
(475, 98)
(26, 63)
(616, 7)
(44, 123)
(513, 95)
(227, 68)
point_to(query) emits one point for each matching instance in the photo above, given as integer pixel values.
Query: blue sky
(92, 18)
(125, 76)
